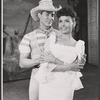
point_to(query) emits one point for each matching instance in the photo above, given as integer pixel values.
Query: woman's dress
(59, 85)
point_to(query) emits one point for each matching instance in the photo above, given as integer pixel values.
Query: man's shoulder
(58, 33)
(30, 34)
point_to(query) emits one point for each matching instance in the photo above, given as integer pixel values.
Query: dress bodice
(67, 54)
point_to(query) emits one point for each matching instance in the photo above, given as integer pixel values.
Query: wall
(93, 31)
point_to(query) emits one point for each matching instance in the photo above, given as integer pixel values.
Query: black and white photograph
(50, 50)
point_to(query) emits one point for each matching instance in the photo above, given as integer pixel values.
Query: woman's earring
(73, 28)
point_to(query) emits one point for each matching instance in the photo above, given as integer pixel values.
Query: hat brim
(34, 12)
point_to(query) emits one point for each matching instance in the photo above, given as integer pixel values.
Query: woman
(61, 85)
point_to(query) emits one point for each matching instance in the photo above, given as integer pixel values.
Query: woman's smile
(64, 28)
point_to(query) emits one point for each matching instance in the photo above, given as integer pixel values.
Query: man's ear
(39, 15)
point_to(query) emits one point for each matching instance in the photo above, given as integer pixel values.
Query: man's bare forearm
(57, 61)
(67, 67)
(73, 67)
(61, 68)
(28, 63)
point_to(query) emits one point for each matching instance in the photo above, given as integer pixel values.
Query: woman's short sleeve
(24, 46)
(80, 47)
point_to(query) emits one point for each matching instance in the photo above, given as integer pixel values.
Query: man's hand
(47, 57)
(78, 64)
(83, 59)
(74, 67)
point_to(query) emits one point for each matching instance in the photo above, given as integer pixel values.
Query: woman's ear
(74, 22)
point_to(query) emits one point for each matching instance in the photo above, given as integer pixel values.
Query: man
(33, 42)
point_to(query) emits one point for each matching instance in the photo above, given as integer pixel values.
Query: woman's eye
(67, 20)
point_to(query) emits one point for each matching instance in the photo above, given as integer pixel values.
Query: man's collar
(46, 32)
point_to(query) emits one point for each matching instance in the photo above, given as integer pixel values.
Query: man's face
(46, 18)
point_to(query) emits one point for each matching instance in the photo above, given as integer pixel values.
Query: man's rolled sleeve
(24, 46)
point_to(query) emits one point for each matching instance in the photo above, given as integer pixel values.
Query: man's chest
(41, 38)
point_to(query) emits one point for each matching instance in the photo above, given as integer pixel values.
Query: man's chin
(49, 25)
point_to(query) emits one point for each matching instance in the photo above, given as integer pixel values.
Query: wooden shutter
(93, 32)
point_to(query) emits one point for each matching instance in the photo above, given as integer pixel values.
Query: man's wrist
(55, 61)
(37, 61)
(64, 63)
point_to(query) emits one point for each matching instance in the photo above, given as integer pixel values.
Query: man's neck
(45, 27)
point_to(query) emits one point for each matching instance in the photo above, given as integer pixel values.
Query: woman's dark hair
(69, 12)
(66, 12)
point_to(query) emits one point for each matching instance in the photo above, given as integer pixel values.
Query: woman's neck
(66, 36)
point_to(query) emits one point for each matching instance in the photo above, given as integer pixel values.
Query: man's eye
(47, 14)
(53, 15)
(60, 21)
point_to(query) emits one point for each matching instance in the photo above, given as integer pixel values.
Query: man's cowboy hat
(46, 5)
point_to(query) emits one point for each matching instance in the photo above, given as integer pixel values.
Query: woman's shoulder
(80, 47)
(80, 43)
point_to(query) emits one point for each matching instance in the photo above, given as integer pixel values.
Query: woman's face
(65, 24)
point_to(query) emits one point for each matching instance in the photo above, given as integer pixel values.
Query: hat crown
(45, 3)
(41, 1)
